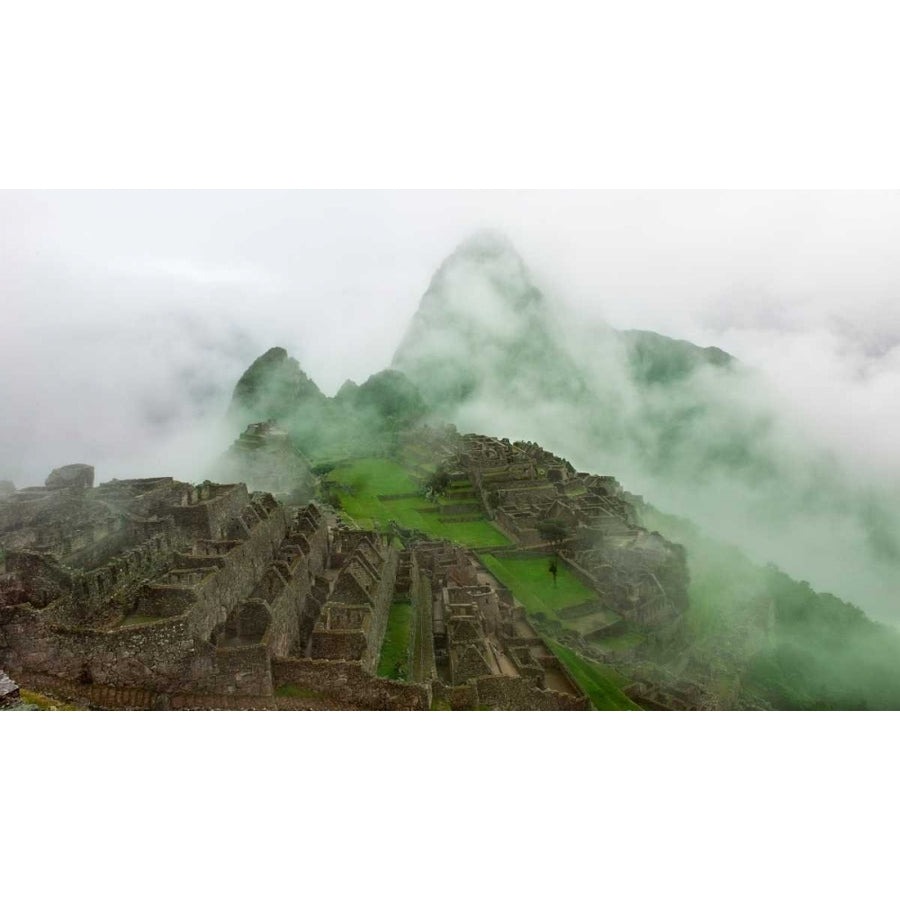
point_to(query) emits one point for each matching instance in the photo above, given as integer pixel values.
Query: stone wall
(155, 655)
(423, 666)
(104, 696)
(503, 692)
(235, 671)
(460, 697)
(207, 518)
(381, 603)
(367, 579)
(337, 644)
(172, 655)
(348, 684)
(245, 565)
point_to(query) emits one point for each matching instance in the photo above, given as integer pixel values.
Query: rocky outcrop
(77, 475)
(274, 387)
(9, 690)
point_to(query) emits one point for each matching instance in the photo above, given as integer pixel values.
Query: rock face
(9, 690)
(359, 419)
(274, 387)
(76, 475)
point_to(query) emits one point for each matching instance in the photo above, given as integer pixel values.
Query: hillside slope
(690, 427)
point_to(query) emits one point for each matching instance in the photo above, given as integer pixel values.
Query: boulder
(9, 690)
(76, 475)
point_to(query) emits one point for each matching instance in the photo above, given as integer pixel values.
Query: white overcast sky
(108, 296)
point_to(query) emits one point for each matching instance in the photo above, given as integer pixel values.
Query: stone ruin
(151, 589)
(474, 642)
(152, 593)
(265, 459)
(639, 576)
(76, 475)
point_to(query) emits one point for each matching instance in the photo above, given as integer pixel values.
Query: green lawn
(374, 476)
(620, 642)
(394, 661)
(532, 584)
(601, 684)
(360, 481)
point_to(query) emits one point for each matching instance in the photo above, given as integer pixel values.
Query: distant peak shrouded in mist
(494, 258)
(481, 315)
(358, 420)
(688, 426)
(272, 387)
(484, 325)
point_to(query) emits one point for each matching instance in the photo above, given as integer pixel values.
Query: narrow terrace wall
(423, 668)
(503, 692)
(381, 603)
(348, 684)
(104, 696)
(245, 565)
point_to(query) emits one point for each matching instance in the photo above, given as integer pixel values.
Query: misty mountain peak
(484, 327)
(486, 244)
(272, 387)
(485, 267)
(480, 318)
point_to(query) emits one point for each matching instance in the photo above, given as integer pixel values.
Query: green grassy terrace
(602, 684)
(394, 660)
(360, 482)
(533, 586)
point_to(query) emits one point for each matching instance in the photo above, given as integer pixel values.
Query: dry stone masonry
(155, 593)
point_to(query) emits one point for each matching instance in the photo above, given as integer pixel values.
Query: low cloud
(128, 317)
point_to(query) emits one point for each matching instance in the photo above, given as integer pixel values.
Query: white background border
(462, 95)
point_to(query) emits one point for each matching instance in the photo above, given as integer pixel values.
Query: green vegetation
(554, 532)
(361, 418)
(438, 482)
(822, 653)
(620, 642)
(394, 661)
(656, 359)
(368, 478)
(826, 654)
(358, 483)
(602, 684)
(43, 702)
(532, 584)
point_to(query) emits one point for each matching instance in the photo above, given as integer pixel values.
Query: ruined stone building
(638, 574)
(154, 587)
(481, 650)
(155, 593)
(265, 459)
